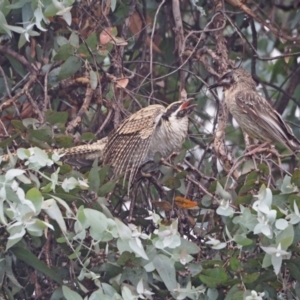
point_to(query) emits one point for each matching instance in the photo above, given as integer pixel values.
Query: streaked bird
(254, 113)
(136, 140)
(151, 129)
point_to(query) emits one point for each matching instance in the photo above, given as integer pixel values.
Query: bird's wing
(128, 145)
(259, 110)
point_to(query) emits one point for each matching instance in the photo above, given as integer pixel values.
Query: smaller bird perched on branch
(254, 113)
(151, 129)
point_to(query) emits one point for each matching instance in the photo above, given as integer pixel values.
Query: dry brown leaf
(154, 47)
(287, 59)
(191, 220)
(82, 80)
(166, 222)
(27, 110)
(119, 41)
(32, 47)
(106, 36)
(185, 203)
(161, 83)
(135, 26)
(163, 205)
(122, 82)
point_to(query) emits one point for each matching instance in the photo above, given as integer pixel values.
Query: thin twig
(5, 82)
(25, 89)
(35, 106)
(82, 110)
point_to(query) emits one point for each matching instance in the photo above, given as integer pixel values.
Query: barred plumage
(137, 139)
(254, 113)
(150, 130)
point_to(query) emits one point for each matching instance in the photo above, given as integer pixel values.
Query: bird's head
(179, 109)
(234, 77)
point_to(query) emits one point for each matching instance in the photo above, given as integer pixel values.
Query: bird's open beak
(187, 107)
(215, 85)
(223, 81)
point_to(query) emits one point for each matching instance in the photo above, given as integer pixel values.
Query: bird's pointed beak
(215, 85)
(187, 107)
(223, 81)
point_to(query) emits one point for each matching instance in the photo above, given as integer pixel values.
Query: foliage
(69, 73)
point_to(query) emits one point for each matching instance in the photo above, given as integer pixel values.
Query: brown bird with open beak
(254, 113)
(151, 129)
(136, 140)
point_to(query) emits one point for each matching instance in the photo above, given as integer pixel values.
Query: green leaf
(243, 199)
(12, 173)
(69, 67)
(125, 258)
(294, 270)
(172, 183)
(137, 247)
(18, 4)
(74, 39)
(247, 187)
(212, 294)
(91, 42)
(235, 264)
(43, 135)
(123, 230)
(17, 66)
(213, 277)
(51, 208)
(35, 196)
(296, 178)
(180, 157)
(106, 188)
(3, 24)
(50, 10)
(166, 270)
(103, 173)
(93, 80)
(64, 141)
(64, 52)
(222, 193)
(188, 246)
(242, 240)
(96, 220)
(55, 117)
(18, 125)
(249, 278)
(8, 141)
(69, 294)
(88, 136)
(94, 180)
(237, 296)
(264, 168)
(30, 259)
(234, 289)
(16, 234)
(286, 237)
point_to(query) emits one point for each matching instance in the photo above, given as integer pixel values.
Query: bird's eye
(171, 109)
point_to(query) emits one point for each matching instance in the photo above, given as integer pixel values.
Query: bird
(152, 129)
(135, 141)
(254, 114)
